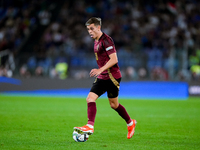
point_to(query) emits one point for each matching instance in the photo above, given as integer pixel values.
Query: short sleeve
(109, 45)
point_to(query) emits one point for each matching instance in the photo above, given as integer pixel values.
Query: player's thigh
(112, 89)
(98, 87)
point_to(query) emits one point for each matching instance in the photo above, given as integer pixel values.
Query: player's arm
(113, 60)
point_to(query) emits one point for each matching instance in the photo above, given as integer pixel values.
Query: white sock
(130, 124)
(89, 125)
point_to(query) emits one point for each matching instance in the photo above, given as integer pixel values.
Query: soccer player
(108, 77)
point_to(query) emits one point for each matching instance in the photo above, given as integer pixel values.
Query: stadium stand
(156, 40)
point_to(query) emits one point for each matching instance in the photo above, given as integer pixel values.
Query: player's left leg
(123, 113)
(120, 109)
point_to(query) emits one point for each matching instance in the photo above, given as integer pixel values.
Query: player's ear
(99, 27)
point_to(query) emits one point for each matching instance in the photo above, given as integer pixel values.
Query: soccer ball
(80, 137)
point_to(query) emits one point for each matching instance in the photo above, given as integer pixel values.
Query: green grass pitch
(46, 123)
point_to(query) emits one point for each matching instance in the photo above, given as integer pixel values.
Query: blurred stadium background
(156, 40)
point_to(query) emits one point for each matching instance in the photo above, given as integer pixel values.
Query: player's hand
(95, 72)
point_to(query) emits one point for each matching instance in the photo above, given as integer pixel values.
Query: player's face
(93, 31)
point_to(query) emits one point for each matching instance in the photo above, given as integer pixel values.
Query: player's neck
(99, 36)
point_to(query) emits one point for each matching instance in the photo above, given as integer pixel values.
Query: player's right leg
(84, 129)
(96, 91)
(91, 111)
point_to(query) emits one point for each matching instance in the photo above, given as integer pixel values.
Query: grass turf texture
(46, 123)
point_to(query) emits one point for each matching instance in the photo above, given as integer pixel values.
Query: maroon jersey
(102, 49)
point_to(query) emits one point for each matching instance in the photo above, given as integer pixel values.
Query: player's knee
(92, 97)
(89, 99)
(113, 105)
